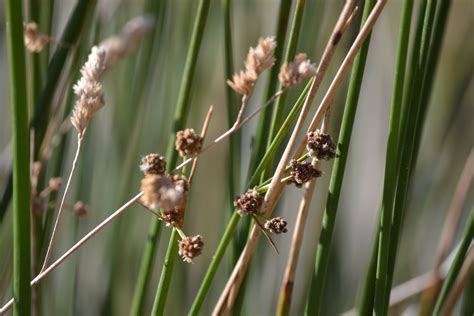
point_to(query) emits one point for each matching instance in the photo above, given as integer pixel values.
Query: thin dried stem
(276, 188)
(205, 127)
(232, 130)
(286, 289)
(76, 246)
(80, 137)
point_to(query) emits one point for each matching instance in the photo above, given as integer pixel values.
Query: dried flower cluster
(190, 247)
(248, 203)
(164, 192)
(320, 145)
(295, 72)
(55, 184)
(34, 41)
(302, 172)
(80, 209)
(127, 41)
(276, 225)
(188, 142)
(89, 90)
(153, 164)
(258, 60)
(174, 217)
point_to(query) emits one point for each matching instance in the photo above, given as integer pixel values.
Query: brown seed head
(153, 164)
(55, 183)
(248, 203)
(320, 145)
(261, 57)
(34, 41)
(80, 209)
(276, 225)
(302, 172)
(190, 247)
(243, 82)
(295, 72)
(160, 191)
(188, 143)
(174, 217)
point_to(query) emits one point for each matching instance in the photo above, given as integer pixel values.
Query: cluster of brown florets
(302, 172)
(190, 247)
(320, 145)
(260, 58)
(276, 225)
(188, 143)
(248, 203)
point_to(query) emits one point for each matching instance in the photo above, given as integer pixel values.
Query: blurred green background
(137, 119)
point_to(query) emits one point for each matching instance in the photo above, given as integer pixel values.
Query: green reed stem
(314, 300)
(264, 121)
(182, 110)
(234, 220)
(279, 106)
(453, 272)
(439, 23)
(21, 160)
(393, 210)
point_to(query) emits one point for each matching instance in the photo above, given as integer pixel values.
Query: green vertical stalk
(45, 26)
(279, 106)
(314, 300)
(440, 18)
(43, 103)
(264, 121)
(182, 110)
(453, 272)
(393, 209)
(21, 160)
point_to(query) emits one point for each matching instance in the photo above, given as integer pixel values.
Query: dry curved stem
(449, 228)
(286, 289)
(76, 246)
(276, 188)
(80, 137)
(205, 127)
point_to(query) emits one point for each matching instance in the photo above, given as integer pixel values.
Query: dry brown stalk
(276, 188)
(74, 248)
(448, 232)
(286, 289)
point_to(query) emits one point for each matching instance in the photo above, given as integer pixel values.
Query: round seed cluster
(188, 143)
(248, 203)
(190, 247)
(153, 164)
(320, 145)
(302, 172)
(276, 225)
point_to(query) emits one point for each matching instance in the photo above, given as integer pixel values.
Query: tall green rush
(182, 110)
(314, 300)
(21, 159)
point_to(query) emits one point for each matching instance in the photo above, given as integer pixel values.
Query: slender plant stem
(74, 248)
(182, 110)
(80, 138)
(314, 301)
(264, 122)
(466, 241)
(289, 55)
(21, 158)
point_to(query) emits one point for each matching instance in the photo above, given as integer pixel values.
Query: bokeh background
(137, 118)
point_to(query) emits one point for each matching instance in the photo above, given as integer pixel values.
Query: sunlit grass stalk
(314, 300)
(466, 242)
(182, 110)
(21, 158)
(391, 217)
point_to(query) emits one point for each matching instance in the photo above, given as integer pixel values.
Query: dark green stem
(314, 301)
(21, 160)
